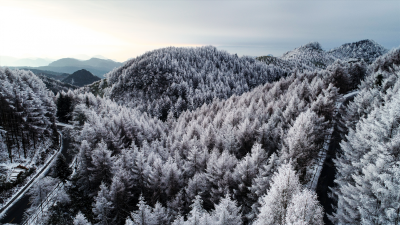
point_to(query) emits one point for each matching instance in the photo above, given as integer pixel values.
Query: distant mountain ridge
(93, 62)
(368, 50)
(81, 78)
(13, 62)
(311, 56)
(51, 74)
(96, 66)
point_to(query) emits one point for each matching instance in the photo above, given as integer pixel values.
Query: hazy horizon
(120, 30)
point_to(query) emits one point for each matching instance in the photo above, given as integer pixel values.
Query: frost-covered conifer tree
(304, 208)
(227, 212)
(102, 206)
(171, 178)
(219, 173)
(244, 174)
(84, 163)
(120, 196)
(197, 185)
(196, 215)
(39, 191)
(261, 184)
(196, 161)
(303, 141)
(142, 216)
(102, 162)
(160, 214)
(141, 171)
(274, 205)
(80, 219)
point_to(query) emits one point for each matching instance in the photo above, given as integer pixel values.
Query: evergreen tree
(120, 196)
(142, 216)
(197, 185)
(171, 178)
(62, 170)
(366, 168)
(102, 162)
(40, 190)
(141, 171)
(219, 173)
(304, 209)
(304, 141)
(244, 174)
(64, 107)
(197, 213)
(80, 219)
(274, 206)
(160, 214)
(227, 212)
(261, 184)
(84, 163)
(102, 206)
(195, 162)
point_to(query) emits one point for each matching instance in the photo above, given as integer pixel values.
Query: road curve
(14, 213)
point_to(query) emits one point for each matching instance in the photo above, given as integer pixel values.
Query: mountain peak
(81, 78)
(312, 45)
(83, 71)
(366, 49)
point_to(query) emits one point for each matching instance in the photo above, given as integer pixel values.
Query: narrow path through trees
(328, 170)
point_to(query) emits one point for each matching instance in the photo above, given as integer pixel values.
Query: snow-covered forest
(28, 114)
(173, 80)
(201, 136)
(368, 180)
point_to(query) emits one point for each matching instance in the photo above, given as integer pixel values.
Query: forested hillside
(368, 180)
(47, 73)
(81, 78)
(55, 85)
(311, 56)
(172, 80)
(27, 113)
(368, 50)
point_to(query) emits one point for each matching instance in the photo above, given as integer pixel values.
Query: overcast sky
(124, 29)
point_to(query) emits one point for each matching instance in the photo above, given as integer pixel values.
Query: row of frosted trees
(27, 113)
(368, 181)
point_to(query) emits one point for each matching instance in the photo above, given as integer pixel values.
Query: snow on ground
(15, 172)
(8, 168)
(65, 125)
(18, 190)
(351, 94)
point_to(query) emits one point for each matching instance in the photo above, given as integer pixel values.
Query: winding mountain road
(14, 213)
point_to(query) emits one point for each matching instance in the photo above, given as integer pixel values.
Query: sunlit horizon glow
(32, 34)
(125, 29)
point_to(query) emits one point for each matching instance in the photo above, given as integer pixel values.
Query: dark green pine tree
(64, 108)
(61, 169)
